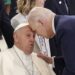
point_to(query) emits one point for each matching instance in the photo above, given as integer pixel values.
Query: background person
(5, 26)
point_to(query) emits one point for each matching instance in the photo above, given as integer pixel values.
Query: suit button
(60, 2)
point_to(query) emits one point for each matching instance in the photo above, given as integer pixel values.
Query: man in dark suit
(6, 27)
(13, 8)
(72, 7)
(59, 7)
(47, 24)
(1, 6)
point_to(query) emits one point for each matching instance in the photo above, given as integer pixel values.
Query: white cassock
(14, 62)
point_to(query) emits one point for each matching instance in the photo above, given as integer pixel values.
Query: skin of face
(24, 39)
(42, 21)
(42, 27)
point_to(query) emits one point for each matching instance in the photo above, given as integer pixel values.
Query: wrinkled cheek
(39, 33)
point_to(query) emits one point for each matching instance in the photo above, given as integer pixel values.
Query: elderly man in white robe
(20, 59)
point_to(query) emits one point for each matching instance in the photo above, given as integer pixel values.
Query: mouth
(31, 45)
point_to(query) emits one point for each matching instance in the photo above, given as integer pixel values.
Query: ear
(15, 37)
(42, 21)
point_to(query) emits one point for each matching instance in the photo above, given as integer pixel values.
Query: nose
(32, 39)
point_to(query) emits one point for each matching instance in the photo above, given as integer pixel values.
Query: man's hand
(45, 58)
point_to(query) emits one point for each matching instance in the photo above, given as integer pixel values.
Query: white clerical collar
(53, 28)
(22, 55)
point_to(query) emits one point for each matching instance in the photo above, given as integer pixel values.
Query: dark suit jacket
(72, 7)
(59, 65)
(1, 7)
(65, 35)
(13, 8)
(57, 6)
(6, 28)
(1, 4)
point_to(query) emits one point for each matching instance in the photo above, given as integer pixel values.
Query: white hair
(39, 13)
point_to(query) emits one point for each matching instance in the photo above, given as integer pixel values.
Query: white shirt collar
(53, 28)
(21, 54)
(26, 59)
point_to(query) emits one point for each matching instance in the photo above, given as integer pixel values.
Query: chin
(47, 36)
(28, 53)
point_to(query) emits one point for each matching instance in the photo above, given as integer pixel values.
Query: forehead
(25, 29)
